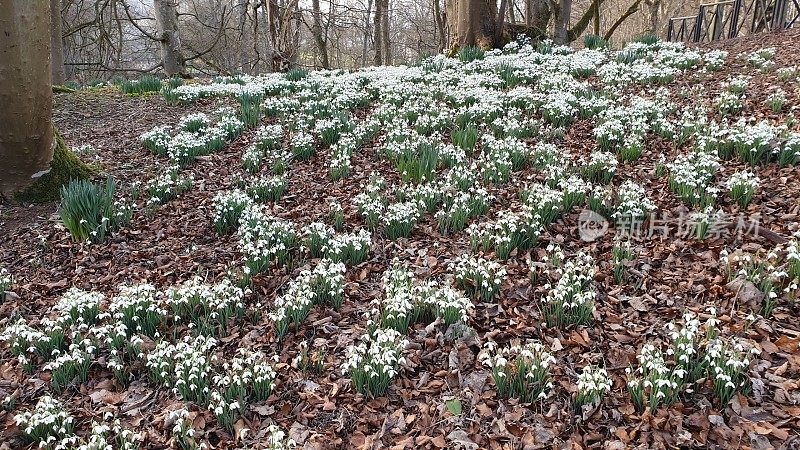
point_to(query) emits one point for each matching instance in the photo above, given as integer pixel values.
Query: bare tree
(168, 36)
(105, 37)
(596, 22)
(367, 33)
(654, 8)
(387, 52)
(378, 27)
(56, 44)
(537, 17)
(26, 136)
(319, 38)
(284, 31)
(562, 16)
(633, 9)
(440, 31)
(244, 59)
(472, 22)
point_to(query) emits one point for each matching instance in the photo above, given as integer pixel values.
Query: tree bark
(56, 45)
(243, 58)
(26, 133)
(582, 23)
(376, 25)
(166, 12)
(501, 16)
(529, 12)
(296, 17)
(537, 18)
(596, 28)
(562, 22)
(473, 23)
(257, 59)
(272, 15)
(436, 27)
(367, 33)
(316, 31)
(282, 20)
(654, 7)
(387, 50)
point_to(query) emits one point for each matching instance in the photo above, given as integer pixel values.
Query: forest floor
(322, 410)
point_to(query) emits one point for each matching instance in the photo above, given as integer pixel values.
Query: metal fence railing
(732, 18)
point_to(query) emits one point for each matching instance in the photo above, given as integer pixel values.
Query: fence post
(698, 24)
(795, 13)
(734, 27)
(717, 29)
(756, 7)
(779, 15)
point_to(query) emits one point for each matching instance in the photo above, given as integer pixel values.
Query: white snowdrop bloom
(633, 202)
(264, 239)
(49, 421)
(743, 179)
(194, 121)
(593, 383)
(519, 370)
(373, 362)
(76, 304)
(478, 276)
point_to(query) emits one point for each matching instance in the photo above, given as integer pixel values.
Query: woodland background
(101, 39)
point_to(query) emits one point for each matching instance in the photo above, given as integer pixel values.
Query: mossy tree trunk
(26, 132)
(64, 167)
(35, 163)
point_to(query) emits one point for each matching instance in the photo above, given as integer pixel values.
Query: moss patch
(64, 167)
(57, 89)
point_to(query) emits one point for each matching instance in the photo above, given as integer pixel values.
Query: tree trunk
(243, 59)
(56, 44)
(562, 22)
(596, 28)
(26, 134)
(654, 7)
(473, 23)
(316, 31)
(540, 15)
(387, 51)
(294, 19)
(580, 26)
(376, 25)
(633, 9)
(529, 12)
(256, 52)
(367, 34)
(166, 12)
(271, 19)
(284, 32)
(501, 16)
(439, 19)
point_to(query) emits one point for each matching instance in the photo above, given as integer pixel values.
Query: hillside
(568, 208)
